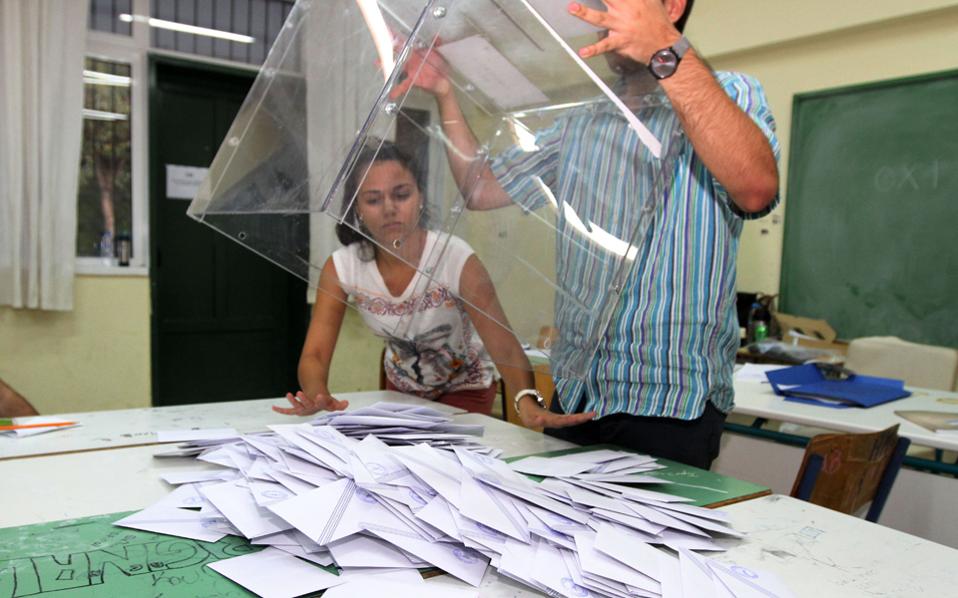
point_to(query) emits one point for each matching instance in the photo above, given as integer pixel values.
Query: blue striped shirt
(672, 332)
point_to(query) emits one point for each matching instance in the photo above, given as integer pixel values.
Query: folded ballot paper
(357, 502)
(816, 384)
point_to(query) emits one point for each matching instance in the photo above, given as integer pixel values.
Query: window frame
(133, 51)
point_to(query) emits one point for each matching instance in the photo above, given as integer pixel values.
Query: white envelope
(457, 560)
(236, 503)
(172, 521)
(598, 563)
(629, 549)
(328, 513)
(272, 573)
(364, 551)
(492, 508)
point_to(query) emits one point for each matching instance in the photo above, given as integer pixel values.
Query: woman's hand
(303, 405)
(534, 416)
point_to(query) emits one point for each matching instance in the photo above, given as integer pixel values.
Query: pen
(26, 426)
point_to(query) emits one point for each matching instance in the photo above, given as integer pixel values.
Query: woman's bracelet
(529, 392)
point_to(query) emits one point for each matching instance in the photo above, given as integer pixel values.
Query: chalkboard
(871, 221)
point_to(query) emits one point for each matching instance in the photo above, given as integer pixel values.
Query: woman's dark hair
(680, 24)
(374, 150)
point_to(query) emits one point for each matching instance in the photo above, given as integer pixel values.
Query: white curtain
(41, 100)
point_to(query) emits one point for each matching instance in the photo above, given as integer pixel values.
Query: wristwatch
(665, 62)
(529, 392)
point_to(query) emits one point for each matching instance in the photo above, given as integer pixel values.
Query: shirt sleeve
(345, 271)
(747, 93)
(528, 172)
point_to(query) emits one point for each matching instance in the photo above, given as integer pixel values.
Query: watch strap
(681, 47)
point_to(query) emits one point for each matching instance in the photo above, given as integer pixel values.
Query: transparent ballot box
(409, 130)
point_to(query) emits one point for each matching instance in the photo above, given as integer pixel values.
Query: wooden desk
(138, 427)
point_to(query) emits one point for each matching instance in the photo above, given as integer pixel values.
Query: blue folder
(809, 384)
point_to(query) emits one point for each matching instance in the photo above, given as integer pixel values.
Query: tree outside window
(105, 188)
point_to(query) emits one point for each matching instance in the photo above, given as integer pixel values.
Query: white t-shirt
(432, 347)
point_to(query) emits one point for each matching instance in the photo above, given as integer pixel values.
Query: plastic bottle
(105, 245)
(758, 321)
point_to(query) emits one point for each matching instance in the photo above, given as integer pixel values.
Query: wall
(95, 357)
(800, 47)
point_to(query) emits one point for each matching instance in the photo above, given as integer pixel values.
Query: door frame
(156, 174)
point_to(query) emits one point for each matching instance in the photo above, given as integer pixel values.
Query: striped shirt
(669, 298)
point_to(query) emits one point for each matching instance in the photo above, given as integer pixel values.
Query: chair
(844, 472)
(924, 366)
(382, 369)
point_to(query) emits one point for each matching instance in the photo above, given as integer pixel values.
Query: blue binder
(809, 384)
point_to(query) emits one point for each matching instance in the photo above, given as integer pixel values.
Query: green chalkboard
(871, 221)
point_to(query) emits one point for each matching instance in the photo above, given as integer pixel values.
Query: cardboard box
(809, 332)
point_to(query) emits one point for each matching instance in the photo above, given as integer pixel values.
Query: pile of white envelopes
(378, 512)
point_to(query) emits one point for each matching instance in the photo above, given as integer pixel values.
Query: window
(248, 27)
(105, 186)
(113, 187)
(105, 16)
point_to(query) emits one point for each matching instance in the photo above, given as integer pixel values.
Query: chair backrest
(845, 472)
(926, 366)
(382, 369)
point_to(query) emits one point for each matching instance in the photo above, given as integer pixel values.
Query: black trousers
(693, 442)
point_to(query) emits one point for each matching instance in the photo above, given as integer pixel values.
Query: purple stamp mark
(365, 496)
(570, 584)
(466, 555)
(740, 570)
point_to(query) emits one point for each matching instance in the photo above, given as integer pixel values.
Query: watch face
(663, 63)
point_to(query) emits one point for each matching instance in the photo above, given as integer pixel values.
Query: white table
(920, 503)
(515, 441)
(817, 552)
(136, 427)
(822, 553)
(758, 400)
(128, 478)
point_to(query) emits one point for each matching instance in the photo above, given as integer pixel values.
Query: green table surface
(705, 488)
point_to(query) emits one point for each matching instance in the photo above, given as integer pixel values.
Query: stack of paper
(393, 423)
(940, 422)
(313, 494)
(398, 424)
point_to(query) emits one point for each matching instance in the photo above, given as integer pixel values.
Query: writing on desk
(40, 574)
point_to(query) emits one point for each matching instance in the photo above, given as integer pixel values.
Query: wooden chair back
(845, 472)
